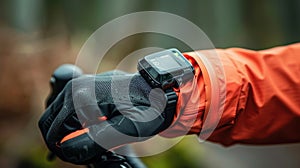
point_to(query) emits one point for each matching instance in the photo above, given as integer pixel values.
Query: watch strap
(170, 108)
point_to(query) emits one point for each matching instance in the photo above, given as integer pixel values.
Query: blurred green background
(36, 36)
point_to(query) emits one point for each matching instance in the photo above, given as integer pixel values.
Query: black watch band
(170, 108)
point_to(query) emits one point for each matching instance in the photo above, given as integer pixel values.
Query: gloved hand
(96, 113)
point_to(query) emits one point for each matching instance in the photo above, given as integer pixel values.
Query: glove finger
(78, 108)
(65, 122)
(50, 114)
(77, 94)
(52, 111)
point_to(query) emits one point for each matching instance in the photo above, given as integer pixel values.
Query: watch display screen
(165, 69)
(164, 63)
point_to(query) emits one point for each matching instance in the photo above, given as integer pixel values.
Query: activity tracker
(165, 69)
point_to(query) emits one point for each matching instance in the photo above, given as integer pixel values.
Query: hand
(110, 110)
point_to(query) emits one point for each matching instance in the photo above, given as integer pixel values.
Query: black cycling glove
(109, 109)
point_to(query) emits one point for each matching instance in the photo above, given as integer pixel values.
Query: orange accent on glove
(74, 134)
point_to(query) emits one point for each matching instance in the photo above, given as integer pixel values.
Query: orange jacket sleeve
(268, 107)
(250, 97)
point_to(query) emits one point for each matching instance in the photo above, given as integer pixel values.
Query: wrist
(190, 106)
